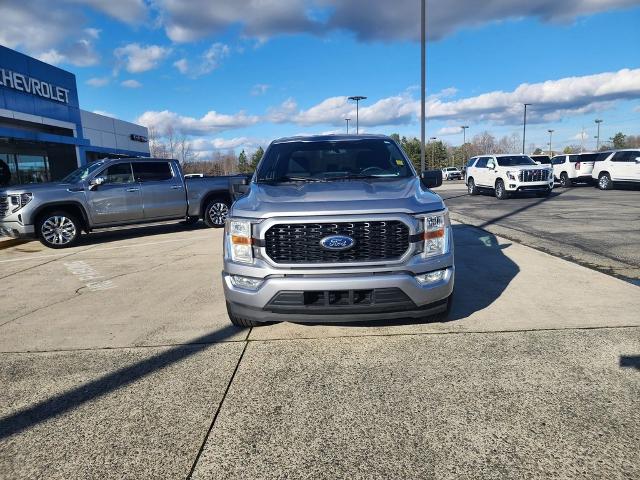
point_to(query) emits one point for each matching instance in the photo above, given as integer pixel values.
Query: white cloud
(182, 65)
(209, 61)
(127, 11)
(206, 145)
(131, 83)
(212, 122)
(367, 19)
(259, 89)
(446, 131)
(98, 81)
(141, 58)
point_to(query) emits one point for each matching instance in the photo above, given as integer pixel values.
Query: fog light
(247, 283)
(431, 277)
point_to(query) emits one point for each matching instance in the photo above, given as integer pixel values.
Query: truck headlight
(435, 234)
(239, 235)
(19, 200)
(511, 175)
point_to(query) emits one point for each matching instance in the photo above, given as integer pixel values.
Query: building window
(24, 168)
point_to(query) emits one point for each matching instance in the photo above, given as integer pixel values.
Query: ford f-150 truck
(337, 229)
(110, 193)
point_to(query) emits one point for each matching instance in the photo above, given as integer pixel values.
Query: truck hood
(349, 197)
(35, 187)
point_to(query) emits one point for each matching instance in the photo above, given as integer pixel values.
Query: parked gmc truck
(112, 193)
(337, 229)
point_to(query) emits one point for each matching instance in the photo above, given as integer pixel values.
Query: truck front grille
(375, 241)
(4, 205)
(533, 175)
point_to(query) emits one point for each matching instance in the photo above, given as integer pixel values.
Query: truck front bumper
(340, 298)
(17, 230)
(512, 186)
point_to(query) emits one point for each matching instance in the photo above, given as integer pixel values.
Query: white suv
(506, 174)
(569, 169)
(620, 166)
(451, 173)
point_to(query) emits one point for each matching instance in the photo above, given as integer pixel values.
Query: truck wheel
(604, 181)
(216, 212)
(565, 181)
(58, 229)
(241, 322)
(501, 191)
(471, 187)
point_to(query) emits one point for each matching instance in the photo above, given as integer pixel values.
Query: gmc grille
(300, 242)
(533, 175)
(4, 206)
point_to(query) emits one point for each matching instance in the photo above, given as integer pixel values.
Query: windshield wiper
(295, 179)
(357, 177)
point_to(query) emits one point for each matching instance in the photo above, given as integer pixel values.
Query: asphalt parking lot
(118, 361)
(597, 229)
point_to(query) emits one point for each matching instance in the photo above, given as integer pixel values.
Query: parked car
(337, 228)
(112, 192)
(451, 173)
(507, 174)
(621, 166)
(573, 168)
(541, 159)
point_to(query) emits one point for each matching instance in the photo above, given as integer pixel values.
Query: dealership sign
(27, 84)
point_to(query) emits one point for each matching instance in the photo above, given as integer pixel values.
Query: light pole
(524, 128)
(550, 137)
(357, 98)
(423, 76)
(347, 120)
(464, 143)
(598, 122)
(433, 157)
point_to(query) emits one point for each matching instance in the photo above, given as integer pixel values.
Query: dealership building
(44, 134)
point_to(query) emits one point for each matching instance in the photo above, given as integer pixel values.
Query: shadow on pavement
(483, 272)
(630, 361)
(124, 233)
(59, 404)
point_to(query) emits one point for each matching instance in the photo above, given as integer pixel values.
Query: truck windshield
(515, 160)
(82, 173)
(333, 160)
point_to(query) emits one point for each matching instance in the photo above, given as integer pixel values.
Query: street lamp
(347, 120)
(598, 122)
(524, 128)
(423, 76)
(464, 142)
(433, 159)
(550, 137)
(357, 98)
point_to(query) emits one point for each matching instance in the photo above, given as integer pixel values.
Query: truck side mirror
(96, 182)
(239, 187)
(431, 178)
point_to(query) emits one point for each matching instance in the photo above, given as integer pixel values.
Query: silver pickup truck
(112, 193)
(337, 229)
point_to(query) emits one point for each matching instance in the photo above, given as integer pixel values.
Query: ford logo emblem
(337, 242)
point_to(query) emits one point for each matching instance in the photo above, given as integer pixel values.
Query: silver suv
(337, 229)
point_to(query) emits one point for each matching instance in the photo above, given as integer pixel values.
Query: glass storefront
(24, 168)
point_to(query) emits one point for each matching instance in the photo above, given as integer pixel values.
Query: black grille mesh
(300, 242)
(4, 206)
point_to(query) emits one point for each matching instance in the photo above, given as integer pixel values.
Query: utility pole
(347, 120)
(524, 128)
(550, 137)
(598, 122)
(423, 77)
(582, 140)
(464, 143)
(433, 153)
(357, 99)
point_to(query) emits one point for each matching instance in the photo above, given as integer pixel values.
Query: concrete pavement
(118, 361)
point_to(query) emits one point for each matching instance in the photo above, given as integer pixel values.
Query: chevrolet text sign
(23, 83)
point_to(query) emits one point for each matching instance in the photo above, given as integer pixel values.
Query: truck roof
(329, 138)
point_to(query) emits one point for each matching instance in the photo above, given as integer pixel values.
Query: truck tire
(501, 191)
(604, 181)
(58, 229)
(215, 213)
(241, 322)
(471, 187)
(565, 181)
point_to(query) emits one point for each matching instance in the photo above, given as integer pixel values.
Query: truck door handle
(176, 187)
(133, 189)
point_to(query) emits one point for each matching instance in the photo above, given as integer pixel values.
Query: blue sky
(236, 74)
